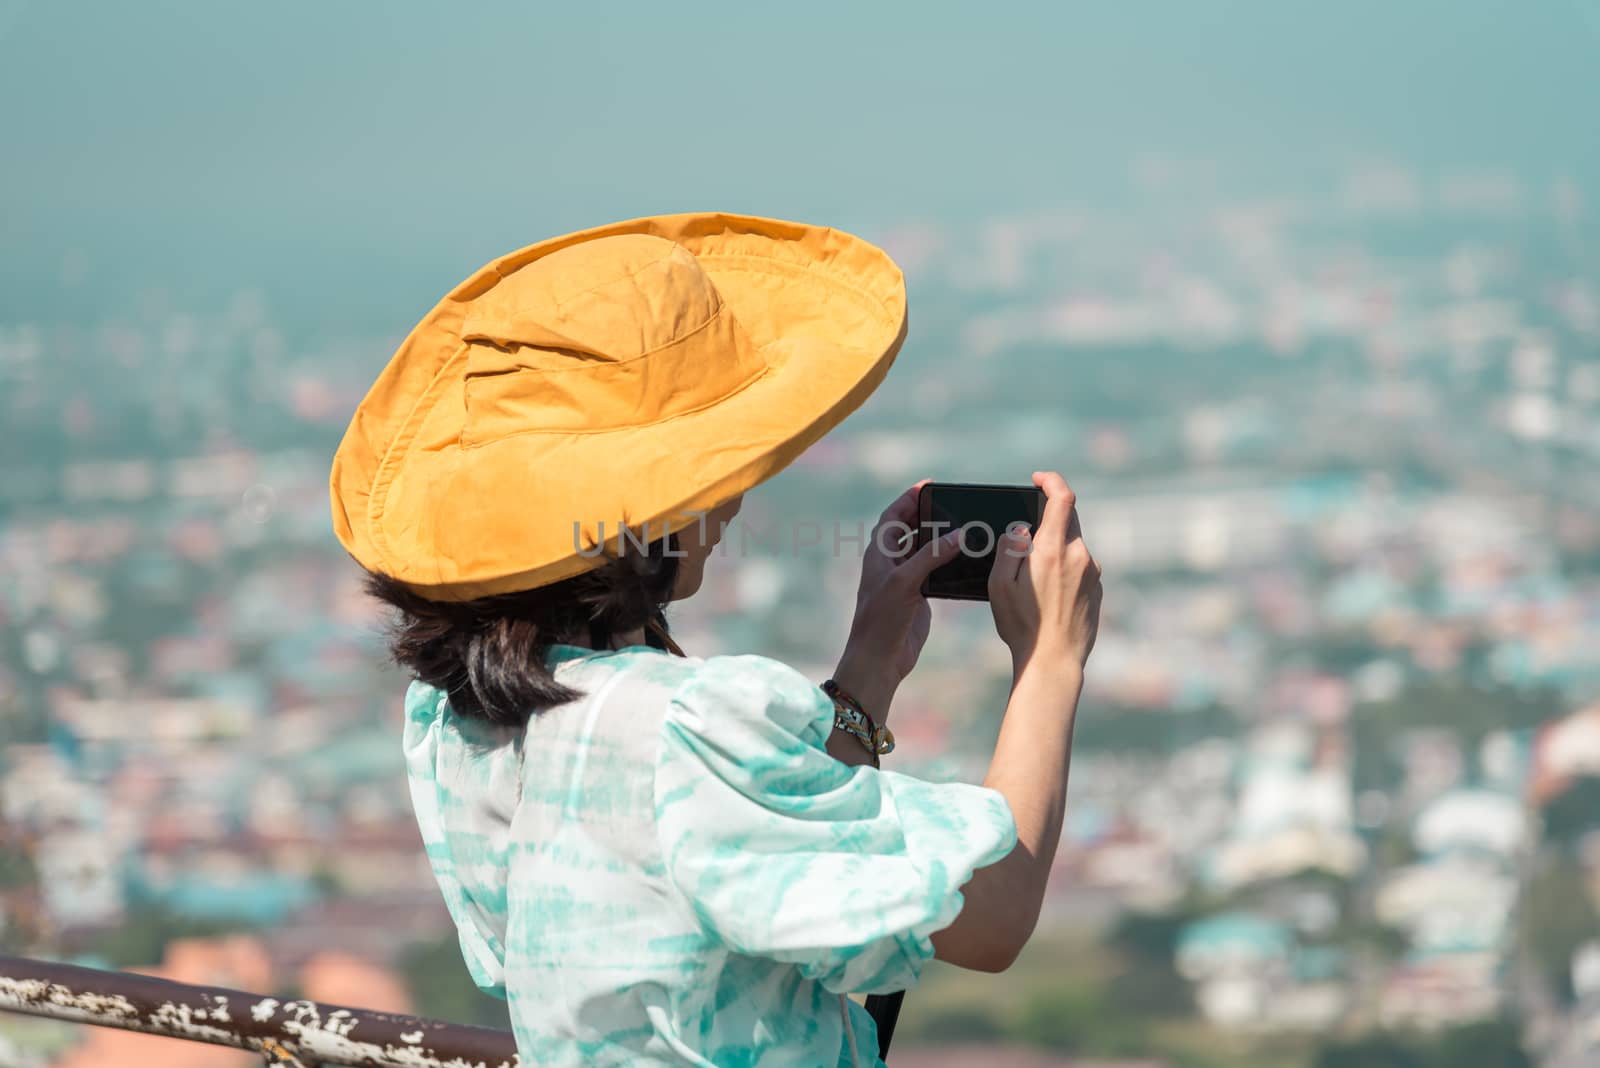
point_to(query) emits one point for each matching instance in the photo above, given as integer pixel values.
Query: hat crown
(611, 299)
(619, 331)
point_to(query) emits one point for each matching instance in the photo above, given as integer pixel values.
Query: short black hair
(488, 654)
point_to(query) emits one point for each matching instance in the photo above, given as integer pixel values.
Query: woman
(660, 859)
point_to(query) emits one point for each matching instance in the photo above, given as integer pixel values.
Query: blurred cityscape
(1335, 798)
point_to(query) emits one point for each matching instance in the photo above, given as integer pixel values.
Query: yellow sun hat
(633, 374)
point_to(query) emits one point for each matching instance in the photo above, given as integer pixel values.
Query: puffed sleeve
(786, 853)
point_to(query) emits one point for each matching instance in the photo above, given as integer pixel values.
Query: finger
(903, 508)
(1057, 523)
(903, 512)
(935, 554)
(1011, 554)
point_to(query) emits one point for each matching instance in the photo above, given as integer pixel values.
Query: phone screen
(944, 506)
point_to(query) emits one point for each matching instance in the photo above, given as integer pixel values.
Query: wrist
(846, 748)
(869, 685)
(1060, 673)
(850, 718)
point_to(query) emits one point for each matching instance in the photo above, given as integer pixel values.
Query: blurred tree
(1372, 1051)
(1151, 989)
(1555, 917)
(1340, 654)
(1079, 1019)
(1150, 730)
(326, 880)
(1388, 942)
(1378, 728)
(1574, 812)
(442, 988)
(142, 936)
(1395, 848)
(16, 866)
(967, 1023)
(1057, 1018)
(1486, 1044)
(1471, 711)
(1149, 935)
(1148, 983)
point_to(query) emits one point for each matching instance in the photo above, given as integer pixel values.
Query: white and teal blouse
(672, 870)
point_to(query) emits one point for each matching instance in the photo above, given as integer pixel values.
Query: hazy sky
(368, 152)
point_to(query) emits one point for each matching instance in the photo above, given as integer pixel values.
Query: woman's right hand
(1045, 596)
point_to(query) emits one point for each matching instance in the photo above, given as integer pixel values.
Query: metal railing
(285, 1032)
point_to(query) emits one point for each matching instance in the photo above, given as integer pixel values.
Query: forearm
(1029, 769)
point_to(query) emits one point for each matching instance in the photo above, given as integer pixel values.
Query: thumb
(935, 554)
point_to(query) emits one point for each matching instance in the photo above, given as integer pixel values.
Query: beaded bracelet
(850, 717)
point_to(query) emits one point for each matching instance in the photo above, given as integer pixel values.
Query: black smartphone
(983, 513)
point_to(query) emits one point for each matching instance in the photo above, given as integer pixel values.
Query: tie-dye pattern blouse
(672, 870)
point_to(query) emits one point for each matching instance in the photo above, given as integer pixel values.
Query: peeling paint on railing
(311, 1031)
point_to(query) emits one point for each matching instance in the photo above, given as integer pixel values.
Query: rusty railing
(285, 1032)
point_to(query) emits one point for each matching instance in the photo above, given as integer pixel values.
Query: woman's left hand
(891, 618)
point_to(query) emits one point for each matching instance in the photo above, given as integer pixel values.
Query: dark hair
(488, 654)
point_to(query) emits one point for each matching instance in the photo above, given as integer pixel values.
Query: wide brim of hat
(827, 311)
